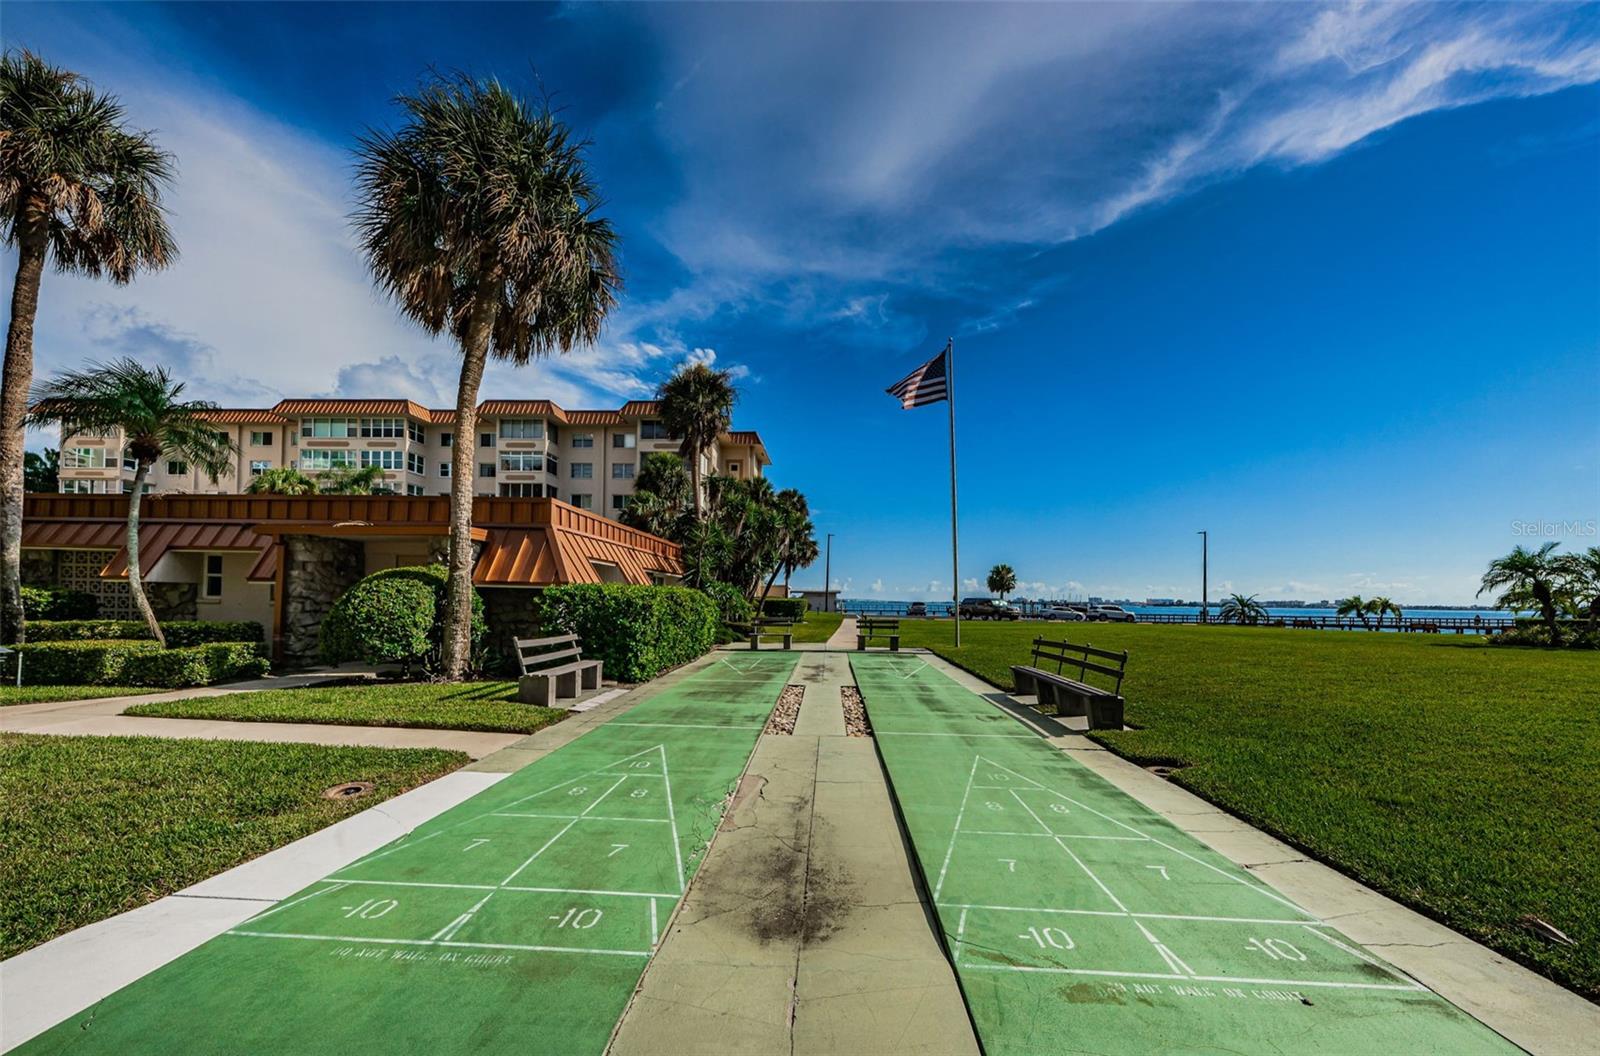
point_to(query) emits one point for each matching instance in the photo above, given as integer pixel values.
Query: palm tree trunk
(135, 580)
(694, 478)
(1547, 610)
(14, 385)
(458, 588)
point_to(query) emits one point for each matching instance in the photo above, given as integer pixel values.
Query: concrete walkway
(805, 930)
(102, 717)
(843, 636)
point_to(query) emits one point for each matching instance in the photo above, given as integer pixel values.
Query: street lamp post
(1205, 546)
(827, 575)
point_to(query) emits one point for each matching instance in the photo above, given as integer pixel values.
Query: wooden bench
(554, 669)
(868, 628)
(758, 629)
(1074, 696)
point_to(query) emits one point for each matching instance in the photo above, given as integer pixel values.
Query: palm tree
(697, 405)
(42, 472)
(1529, 579)
(352, 481)
(1002, 580)
(1355, 605)
(1582, 572)
(284, 480)
(479, 217)
(1238, 608)
(1381, 606)
(79, 188)
(148, 408)
(795, 542)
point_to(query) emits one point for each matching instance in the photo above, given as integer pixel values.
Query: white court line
(1357, 953)
(520, 887)
(1116, 913)
(574, 817)
(450, 929)
(961, 930)
(992, 736)
(1056, 835)
(337, 884)
(438, 942)
(655, 929)
(1290, 983)
(685, 726)
(564, 830)
(677, 847)
(955, 830)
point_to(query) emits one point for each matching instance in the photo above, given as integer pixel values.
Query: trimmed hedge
(785, 608)
(134, 663)
(58, 603)
(179, 632)
(638, 632)
(396, 616)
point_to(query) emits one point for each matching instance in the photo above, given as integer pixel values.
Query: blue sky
(1324, 281)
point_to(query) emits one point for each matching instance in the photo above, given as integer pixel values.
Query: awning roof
(540, 556)
(155, 541)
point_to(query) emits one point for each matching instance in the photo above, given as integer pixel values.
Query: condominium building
(522, 449)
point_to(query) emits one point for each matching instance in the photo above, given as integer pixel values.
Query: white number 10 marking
(372, 908)
(1053, 938)
(1277, 949)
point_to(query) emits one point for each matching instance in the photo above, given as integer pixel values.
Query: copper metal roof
(157, 539)
(244, 416)
(301, 407)
(593, 418)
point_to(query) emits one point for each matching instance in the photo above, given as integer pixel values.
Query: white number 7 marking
(1160, 869)
(1012, 862)
(616, 849)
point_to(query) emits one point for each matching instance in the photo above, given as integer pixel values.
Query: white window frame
(582, 439)
(522, 428)
(587, 470)
(211, 582)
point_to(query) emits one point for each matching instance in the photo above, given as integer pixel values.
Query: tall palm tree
(1239, 608)
(76, 187)
(1380, 607)
(42, 472)
(1355, 605)
(1002, 580)
(794, 538)
(1529, 579)
(478, 215)
(697, 405)
(351, 481)
(156, 422)
(1582, 572)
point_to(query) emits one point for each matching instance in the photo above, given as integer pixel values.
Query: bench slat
(534, 643)
(1104, 654)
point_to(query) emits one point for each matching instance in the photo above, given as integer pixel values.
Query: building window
(552, 464)
(519, 491)
(416, 432)
(416, 464)
(127, 488)
(582, 439)
(128, 461)
(177, 467)
(444, 468)
(260, 437)
(259, 466)
(414, 489)
(619, 502)
(583, 500)
(447, 439)
(383, 459)
(315, 461)
(627, 440)
(84, 458)
(520, 461)
(383, 428)
(583, 471)
(521, 429)
(485, 439)
(213, 584)
(90, 487)
(555, 436)
(733, 469)
(622, 471)
(327, 427)
(485, 469)
(653, 431)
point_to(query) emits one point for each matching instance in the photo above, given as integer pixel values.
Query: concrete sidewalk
(805, 930)
(843, 636)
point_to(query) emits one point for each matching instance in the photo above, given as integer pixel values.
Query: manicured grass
(490, 706)
(818, 626)
(10, 694)
(94, 826)
(1459, 778)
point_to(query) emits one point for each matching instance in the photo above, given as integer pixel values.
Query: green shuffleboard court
(1081, 921)
(518, 922)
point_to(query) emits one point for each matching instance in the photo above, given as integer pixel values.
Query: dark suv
(987, 609)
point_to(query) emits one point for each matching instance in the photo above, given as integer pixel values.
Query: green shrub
(637, 631)
(396, 616)
(57, 603)
(1573, 636)
(785, 608)
(731, 603)
(133, 663)
(179, 632)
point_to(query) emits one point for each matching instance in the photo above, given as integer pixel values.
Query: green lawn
(10, 694)
(490, 706)
(94, 826)
(1459, 778)
(818, 626)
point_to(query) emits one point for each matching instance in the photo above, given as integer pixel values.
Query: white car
(1111, 613)
(1061, 612)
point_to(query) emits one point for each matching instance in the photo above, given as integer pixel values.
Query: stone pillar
(318, 571)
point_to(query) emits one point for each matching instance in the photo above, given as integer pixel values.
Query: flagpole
(955, 548)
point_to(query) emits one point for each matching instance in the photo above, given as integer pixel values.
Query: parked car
(1111, 613)
(917, 608)
(987, 609)
(1061, 612)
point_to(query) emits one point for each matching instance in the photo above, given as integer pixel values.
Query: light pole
(827, 575)
(1205, 546)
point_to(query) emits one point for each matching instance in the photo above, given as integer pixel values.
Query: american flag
(929, 383)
